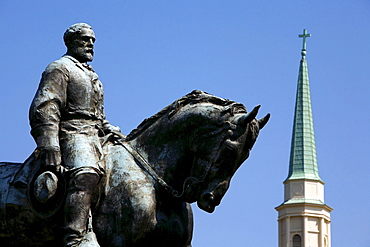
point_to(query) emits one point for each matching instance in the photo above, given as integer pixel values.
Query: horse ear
(263, 121)
(247, 118)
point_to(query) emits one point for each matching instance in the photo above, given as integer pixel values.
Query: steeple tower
(303, 163)
(304, 218)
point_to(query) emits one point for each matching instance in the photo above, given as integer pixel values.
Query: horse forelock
(195, 97)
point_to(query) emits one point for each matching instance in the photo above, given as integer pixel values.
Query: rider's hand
(108, 128)
(112, 128)
(51, 157)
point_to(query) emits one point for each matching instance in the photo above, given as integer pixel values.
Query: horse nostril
(209, 197)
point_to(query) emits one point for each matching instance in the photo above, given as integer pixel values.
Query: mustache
(88, 50)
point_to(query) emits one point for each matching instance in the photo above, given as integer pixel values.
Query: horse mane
(195, 97)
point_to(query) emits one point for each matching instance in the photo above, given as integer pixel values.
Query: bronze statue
(138, 188)
(67, 119)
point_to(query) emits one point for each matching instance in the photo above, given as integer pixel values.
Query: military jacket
(68, 90)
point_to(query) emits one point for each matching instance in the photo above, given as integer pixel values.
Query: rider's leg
(76, 210)
(83, 158)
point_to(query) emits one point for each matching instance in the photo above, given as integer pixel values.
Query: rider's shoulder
(64, 63)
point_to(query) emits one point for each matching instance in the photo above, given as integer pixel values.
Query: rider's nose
(89, 42)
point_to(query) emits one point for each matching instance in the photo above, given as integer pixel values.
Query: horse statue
(186, 153)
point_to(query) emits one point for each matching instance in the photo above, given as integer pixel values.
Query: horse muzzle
(208, 201)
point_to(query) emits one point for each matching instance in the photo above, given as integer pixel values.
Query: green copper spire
(303, 162)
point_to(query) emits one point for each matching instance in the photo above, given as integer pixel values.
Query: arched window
(297, 241)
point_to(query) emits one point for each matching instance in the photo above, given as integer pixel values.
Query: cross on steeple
(304, 36)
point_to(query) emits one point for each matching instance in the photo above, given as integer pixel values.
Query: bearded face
(82, 47)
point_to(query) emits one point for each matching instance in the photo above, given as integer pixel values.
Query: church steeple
(304, 218)
(303, 162)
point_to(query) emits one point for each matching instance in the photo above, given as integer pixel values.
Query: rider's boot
(77, 207)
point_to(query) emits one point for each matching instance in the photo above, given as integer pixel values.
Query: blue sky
(150, 53)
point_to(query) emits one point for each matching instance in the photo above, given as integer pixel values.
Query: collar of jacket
(79, 64)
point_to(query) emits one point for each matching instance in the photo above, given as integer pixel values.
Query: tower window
(297, 241)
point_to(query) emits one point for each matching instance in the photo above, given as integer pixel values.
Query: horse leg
(190, 224)
(143, 204)
(127, 217)
(127, 212)
(175, 224)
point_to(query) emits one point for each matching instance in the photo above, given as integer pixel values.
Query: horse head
(215, 169)
(196, 145)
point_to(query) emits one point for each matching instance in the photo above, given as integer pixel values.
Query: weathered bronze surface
(87, 183)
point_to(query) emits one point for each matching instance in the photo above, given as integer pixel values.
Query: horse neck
(167, 156)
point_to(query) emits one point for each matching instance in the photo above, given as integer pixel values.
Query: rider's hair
(72, 31)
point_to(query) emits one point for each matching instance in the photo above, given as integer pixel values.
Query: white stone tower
(304, 218)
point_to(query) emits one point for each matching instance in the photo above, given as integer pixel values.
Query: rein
(145, 165)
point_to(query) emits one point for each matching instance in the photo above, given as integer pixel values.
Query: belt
(80, 117)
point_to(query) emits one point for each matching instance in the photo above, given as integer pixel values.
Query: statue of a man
(68, 120)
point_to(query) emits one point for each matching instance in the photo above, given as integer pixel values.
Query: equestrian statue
(88, 185)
